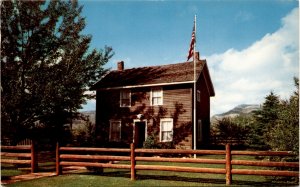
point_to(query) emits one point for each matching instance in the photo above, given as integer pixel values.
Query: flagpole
(194, 59)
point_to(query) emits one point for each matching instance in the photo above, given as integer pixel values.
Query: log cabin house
(154, 102)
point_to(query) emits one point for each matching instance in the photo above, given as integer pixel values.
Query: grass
(5, 173)
(119, 177)
(9, 170)
(113, 177)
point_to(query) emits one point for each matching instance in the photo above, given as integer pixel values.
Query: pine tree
(46, 65)
(265, 120)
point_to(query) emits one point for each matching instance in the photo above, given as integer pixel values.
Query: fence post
(228, 165)
(34, 161)
(132, 161)
(58, 167)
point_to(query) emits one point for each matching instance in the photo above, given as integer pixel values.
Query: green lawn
(5, 173)
(119, 177)
(112, 177)
(9, 170)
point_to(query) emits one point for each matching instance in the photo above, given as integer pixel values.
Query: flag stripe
(193, 40)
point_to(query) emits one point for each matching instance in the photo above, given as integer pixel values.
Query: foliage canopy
(46, 65)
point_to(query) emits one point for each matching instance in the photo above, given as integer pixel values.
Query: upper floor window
(166, 130)
(156, 96)
(115, 131)
(125, 98)
(198, 95)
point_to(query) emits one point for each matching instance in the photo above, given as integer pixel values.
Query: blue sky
(251, 47)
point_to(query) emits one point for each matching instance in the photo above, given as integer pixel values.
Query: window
(199, 130)
(198, 95)
(156, 96)
(166, 130)
(115, 131)
(125, 98)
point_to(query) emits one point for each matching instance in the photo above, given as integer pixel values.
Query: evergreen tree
(265, 120)
(46, 65)
(285, 134)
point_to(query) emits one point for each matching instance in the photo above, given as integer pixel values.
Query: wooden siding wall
(177, 104)
(203, 108)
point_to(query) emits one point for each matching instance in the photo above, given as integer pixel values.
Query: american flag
(193, 41)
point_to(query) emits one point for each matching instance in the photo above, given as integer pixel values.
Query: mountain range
(240, 110)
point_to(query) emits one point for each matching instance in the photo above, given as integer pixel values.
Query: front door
(139, 133)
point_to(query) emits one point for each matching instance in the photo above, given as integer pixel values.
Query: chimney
(121, 66)
(197, 55)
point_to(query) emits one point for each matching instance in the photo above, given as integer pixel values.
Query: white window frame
(198, 95)
(160, 90)
(160, 131)
(110, 128)
(121, 98)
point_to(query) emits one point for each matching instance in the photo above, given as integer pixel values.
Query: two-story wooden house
(134, 104)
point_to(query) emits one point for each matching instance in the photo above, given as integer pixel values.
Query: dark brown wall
(177, 104)
(203, 108)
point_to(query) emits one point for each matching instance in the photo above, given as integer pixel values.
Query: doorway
(140, 133)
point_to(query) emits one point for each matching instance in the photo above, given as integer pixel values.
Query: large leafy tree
(46, 65)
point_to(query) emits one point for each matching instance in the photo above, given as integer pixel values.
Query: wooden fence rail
(65, 156)
(12, 155)
(86, 157)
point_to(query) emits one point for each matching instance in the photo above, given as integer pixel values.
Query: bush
(227, 130)
(152, 143)
(85, 135)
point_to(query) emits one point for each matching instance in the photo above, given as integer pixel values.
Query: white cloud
(248, 75)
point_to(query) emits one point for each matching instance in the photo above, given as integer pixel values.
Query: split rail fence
(21, 154)
(97, 157)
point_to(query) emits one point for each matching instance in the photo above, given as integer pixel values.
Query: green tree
(265, 120)
(228, 130)
(284, 135)
(46, 65)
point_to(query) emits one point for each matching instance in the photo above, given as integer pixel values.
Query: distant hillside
(240, 110)
(81, 123)
(91, 114)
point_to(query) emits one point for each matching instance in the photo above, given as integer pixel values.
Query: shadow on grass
(126, 174)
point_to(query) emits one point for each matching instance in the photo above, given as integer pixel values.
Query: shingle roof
(171, 73)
